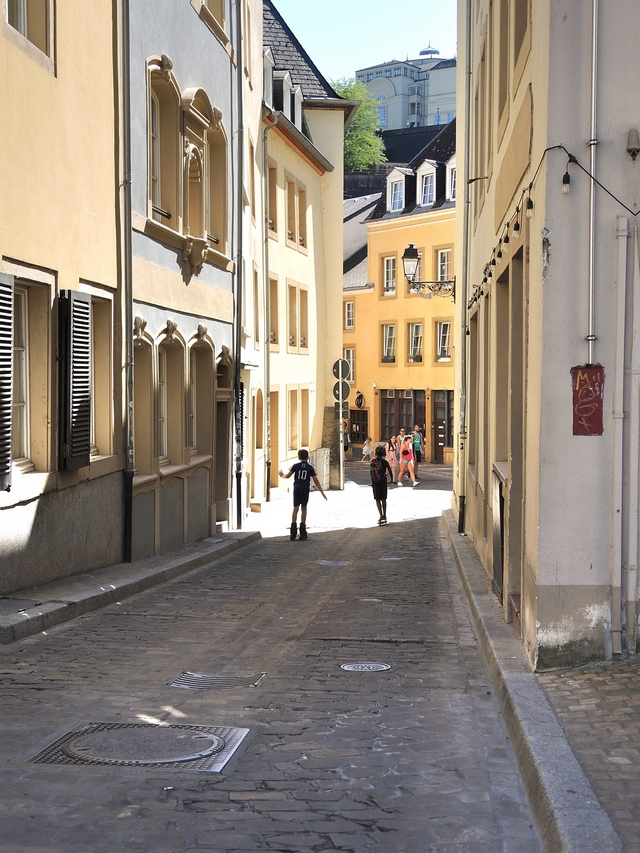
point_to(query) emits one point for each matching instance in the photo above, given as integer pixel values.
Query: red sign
(588, 399)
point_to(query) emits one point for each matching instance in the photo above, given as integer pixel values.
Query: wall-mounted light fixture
(633, 144)
(427, 289)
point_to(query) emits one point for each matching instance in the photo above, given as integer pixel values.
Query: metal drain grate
(203, 748)
(365, 666)
(201, 681)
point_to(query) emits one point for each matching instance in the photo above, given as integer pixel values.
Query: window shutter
(75, 379)
(6, 378)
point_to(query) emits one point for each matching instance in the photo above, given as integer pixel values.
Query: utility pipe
(238, 412)
(630, 567)
(617, 504)
(593, 142)
(267, 298)
(126, 276)
(464, 295)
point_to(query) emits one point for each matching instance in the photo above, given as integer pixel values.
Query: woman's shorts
(380, 490)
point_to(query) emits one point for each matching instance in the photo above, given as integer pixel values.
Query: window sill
(184, 469)
(273, 234)
(274, 347)
(172, 238)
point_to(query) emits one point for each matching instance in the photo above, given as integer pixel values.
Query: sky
(342, 36)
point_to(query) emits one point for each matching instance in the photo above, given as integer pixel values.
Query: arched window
(194, 186)
(142, 406)
(217, 196)
(200, 410)
(163, 143)
(170, 402)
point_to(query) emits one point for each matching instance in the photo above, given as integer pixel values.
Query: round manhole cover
(153, 745)
(365, 666)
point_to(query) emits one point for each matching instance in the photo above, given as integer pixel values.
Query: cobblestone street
(414, 758)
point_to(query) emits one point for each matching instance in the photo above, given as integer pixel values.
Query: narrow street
(411, 758)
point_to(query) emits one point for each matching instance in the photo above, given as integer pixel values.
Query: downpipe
(238, 391)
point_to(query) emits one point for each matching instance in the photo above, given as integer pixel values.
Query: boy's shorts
(380, 490)
(300, 496)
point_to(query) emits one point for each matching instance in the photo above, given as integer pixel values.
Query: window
(163, 145)
(415, 342)
(273, 312)
(443, 342)
(378, 73)
(389, 271)
(397, 72)
(349, 314)
(303, 315)
(257, 314)
(305, 416)
(387, 73)
(349, 355)
(20, 398)
(444, 265)
(397, 195)
(369, 77)
(101, 377)
(382, 115)
(200, 398)
(32, 19)
(293, 418)
(452, 184)
(298, 318)
(450, 117)
(191, 408)
(170, 403)
(251, 166)
(273, 198)
(74, 328)
(428, 191)
(389, 344)
(361, 78)
(216, 7)
(296, 198)
(162, 407)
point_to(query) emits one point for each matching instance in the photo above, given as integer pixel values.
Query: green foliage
(363, 147)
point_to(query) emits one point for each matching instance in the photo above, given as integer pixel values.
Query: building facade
(61, 347)
(413, 93)
(547, 469)
(400, 345)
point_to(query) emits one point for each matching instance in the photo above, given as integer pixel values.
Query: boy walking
(380, 471)
(302, 472)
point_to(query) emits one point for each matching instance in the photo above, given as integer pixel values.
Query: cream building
(400, 345)
(547, 473)
(304, 122)
(61, 507)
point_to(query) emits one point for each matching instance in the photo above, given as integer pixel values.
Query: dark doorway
(359, 425)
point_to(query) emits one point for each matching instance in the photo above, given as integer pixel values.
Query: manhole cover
(201, 681)
(153, 745)
(333, 562)
(205, 748)
(365, 666)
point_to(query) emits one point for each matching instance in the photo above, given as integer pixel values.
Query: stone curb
(567, 812)
(106, 586)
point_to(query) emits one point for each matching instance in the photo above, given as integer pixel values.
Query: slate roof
(402, 144)
(354, 230)
(289, 55)
(441, 148)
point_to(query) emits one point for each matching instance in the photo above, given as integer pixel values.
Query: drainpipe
(126, 278)
(267, 298)
(237, 385)
(593, 142)
(618, 502)
(464, 294)
(630, 579)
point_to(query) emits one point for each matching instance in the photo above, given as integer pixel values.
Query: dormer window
(296, 107)
(451, 179)
(428, 189)
(268, 64)
(397, 195)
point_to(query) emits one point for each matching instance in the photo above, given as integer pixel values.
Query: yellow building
(398, 339)
(60, 315)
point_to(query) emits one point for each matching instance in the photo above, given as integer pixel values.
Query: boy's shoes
(399, 483)
(303, 532)
(416, 483)
(294, 531)
(382, 520)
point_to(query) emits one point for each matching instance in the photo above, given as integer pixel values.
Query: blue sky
(341, 36)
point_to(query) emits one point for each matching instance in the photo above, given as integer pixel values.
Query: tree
(363, 146)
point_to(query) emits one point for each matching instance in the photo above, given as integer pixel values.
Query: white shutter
(75, 380)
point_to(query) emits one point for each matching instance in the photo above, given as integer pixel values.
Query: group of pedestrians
(399, 456)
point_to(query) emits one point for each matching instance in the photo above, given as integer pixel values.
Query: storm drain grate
(203, 748)
(201, 681)
(365, 666)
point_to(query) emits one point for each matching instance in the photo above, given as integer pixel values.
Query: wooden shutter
(75, 379)
(6, 378)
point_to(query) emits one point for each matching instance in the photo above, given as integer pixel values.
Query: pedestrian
(406, 460)
(346, 441)
(392, 453)
(380, 471)
(303, 472)
(366, 449)
(418, 449)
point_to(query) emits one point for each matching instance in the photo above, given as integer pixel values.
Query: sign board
(588, 399)
(346, 390)
(345, 411)
(341, 365)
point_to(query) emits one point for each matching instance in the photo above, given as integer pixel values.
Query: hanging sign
(588, 399)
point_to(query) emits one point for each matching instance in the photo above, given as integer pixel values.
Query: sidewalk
(562, 725)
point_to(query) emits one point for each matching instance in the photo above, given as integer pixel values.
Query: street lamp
(427, 289)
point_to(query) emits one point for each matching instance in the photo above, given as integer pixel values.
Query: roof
(354, 229)
(289, 55)
(356, 278)
(444, 63)
(440, 149)
(402, 144)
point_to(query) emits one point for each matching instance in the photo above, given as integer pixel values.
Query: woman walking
(406, 460)
(392, 451)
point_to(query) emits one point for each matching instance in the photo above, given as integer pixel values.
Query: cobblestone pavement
(411, 759)
(599, 710)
